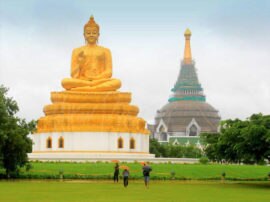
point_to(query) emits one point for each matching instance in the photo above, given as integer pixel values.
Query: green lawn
(98, 191)
(188, 171)
(192, 171)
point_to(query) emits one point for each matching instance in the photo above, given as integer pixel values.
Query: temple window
(120, 143)
(61, 142)
(132, 143)
(193, 130)
(161, 129)
(163, 136)
(49, 143)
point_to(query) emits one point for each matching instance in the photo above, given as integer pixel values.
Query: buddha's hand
(78, 66)
(81, 58)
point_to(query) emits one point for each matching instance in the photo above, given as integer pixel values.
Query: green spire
(187, 86)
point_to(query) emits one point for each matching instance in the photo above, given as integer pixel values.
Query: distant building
(187, 114)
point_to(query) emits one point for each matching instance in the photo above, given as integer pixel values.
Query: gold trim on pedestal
(91, 123)
(90, 97)
(91, 108)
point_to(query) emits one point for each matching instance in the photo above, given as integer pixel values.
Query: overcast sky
(230, 43)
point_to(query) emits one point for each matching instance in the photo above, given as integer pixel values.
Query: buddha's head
(91, 31)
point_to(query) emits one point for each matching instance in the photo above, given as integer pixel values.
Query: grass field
(196, 171)
(99, 191)
(189, 171)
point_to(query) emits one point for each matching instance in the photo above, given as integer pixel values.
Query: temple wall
(90, 142)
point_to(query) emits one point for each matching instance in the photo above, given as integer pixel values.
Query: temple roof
(177, 115)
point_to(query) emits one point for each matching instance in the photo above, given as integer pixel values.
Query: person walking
(125, 177)
(116, 173)
(146, 174)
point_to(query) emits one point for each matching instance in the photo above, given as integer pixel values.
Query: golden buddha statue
(90, 102)
(91, 65)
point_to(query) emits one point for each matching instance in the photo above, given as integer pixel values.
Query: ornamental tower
(187, 86)
(187, 113)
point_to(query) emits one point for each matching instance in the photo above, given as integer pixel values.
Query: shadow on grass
(255, 185)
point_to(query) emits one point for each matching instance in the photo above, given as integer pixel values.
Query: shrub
(262, 162)
(204, 160)
(61, 174)
(28, 167)
(223, 174)
(173, 174)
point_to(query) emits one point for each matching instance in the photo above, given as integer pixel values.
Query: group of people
(146, 169)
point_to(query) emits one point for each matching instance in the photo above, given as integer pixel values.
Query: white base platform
(106, 157)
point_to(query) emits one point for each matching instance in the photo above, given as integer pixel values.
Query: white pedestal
(90, 146)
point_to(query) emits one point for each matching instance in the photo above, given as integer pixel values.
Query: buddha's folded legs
(95, 85)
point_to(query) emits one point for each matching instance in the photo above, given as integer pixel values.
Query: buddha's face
(91, 35)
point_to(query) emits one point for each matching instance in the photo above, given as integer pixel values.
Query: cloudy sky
(230, 44)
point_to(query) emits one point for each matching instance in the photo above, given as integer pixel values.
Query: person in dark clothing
(116, 173)
(146, 174)
(125, 177)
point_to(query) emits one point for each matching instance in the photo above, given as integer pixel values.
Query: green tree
(154, 147)
(245, 141)
(174, 151)
(14, 143)
(255, 144)
(192, 152)
(210, 140)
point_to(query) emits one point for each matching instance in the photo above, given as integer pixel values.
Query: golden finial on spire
(187, 32)
(187, 53)
(91, 23)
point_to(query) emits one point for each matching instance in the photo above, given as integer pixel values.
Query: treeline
(14, 143)
(174, 151)
(240, 141)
